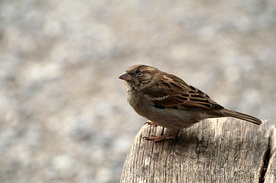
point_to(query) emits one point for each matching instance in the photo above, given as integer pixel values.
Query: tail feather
(235, 114)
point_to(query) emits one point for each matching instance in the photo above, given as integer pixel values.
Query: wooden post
(214, 150)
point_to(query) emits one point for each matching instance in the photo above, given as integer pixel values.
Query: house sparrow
(168, 101)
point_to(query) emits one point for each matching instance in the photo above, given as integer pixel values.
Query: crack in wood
(265, 164)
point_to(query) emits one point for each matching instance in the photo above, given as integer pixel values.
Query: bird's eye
(137, 72)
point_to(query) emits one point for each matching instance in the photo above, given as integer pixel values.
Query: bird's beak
(125, 76)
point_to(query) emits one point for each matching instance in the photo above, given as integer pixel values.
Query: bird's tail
(235, 114)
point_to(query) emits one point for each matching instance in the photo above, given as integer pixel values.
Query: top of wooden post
(214, 150)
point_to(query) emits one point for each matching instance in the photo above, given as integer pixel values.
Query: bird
(168, 101)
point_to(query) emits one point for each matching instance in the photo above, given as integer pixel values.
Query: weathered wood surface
(270, 176)
(214, 150)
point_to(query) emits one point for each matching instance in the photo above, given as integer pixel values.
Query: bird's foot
(170, 134)
(151, 123)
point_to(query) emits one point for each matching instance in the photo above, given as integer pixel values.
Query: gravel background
(63, 111)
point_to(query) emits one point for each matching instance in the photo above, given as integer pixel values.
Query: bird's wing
(172, 92)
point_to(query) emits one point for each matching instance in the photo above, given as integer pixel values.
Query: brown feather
(173, 92)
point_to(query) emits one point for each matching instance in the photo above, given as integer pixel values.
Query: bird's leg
(170, 134)
(151, 123)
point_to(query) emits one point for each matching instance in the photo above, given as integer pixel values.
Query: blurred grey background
(63, 111)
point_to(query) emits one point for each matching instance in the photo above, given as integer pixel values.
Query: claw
(151, 123)
(170, 134)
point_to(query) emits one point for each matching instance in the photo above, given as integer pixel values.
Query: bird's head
(140, 76)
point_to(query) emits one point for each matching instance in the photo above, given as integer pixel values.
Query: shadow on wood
(214, 150)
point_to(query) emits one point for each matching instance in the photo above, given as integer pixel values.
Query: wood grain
(214, 150)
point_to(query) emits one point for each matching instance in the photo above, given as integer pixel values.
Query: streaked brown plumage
(168, 101)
